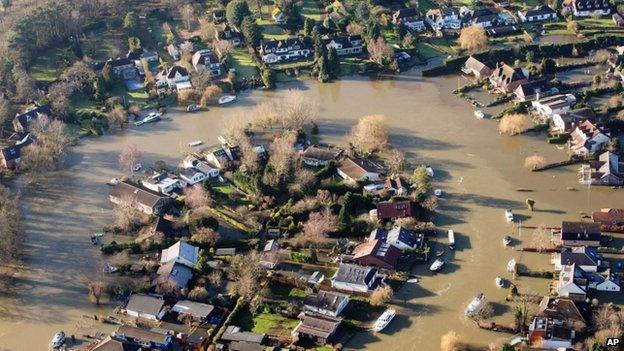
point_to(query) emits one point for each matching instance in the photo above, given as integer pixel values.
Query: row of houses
(283, 50)
(11, 148)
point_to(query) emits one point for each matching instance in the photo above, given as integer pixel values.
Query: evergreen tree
(293, 17)
(362, 12)
(348, 202)
(333, 63)
(236, 11)
(308, 26)
(251, 31)
(400, 30)
(373, 31)
(323, 69)
(344, 220)
(99, 88)
(319, 46)
(268, 78)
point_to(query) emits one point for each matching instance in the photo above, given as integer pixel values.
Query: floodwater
(477, 168)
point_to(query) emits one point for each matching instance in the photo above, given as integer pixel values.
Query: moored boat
(451, 239)
(195, 143)
(383, 320)
(226, 99)
(193, 108)
(58, 340)
(479, 114)
(509, 215)
(475, 305)
(511, 265)
(499, 282)
(412, 281)
(437, 192)
(429, 171)
(437, 265)
(113, 181)
(506, 240)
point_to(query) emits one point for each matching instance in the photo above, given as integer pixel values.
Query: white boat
(193, 108)
(479, 114)
(437, 192)
(413, 280)
(429, 171)
(499, 282)
(437, 265)
(58, 340)
(451, 239)
(475, 305)
(137, 167)
(226, 99)
(383, 320)
(507, 240)
(511, 265)
(509, 215)
(195, 143)
(113, 181)
(110, 269)
(152, 117)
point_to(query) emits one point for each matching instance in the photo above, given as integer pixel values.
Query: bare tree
(198, 293)
(223, 48)
(197, 196)
(216, 277)
(49, 147)
(450, 342)
(128, 157)
(513, 124)
(381, 295)
(245, 271)
(296, 110)
(396, 162)
(117, 116)
(380, 52)
(534, 161)
(96, 288)
(355, 29)
(370, 133)
(207, 30)
(281, 161)
(210, 95)
(25, 88)
(206, 236)
(473, 38)
(202, 79)
(317, 227)
(305, 181)
(125, 214)
(188, 15)
(11, 230)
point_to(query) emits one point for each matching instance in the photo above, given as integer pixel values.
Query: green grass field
(311, 9)
(241, 61)
(273, 324)
(48, 66)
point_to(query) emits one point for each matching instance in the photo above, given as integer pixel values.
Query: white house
(587, 138)
(572, 283)
(566, 122)
(586, 258)
(192, 162)
(611, 282)
(345, 45)
(162, 183)
(206, 59)
(270, 255)
(182, 253)
(192, 175)
(356, 169)
(410, 17)
(549, 333)
(145, 306)
(539, 13)
(444, 18)
(555, 104)
(275, 51)
(328, 303)
(173, 76)
(588, 8)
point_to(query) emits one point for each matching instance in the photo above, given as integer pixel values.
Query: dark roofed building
(110, 344)
(394, 209)
(351, 277)
(477, 68)
(329, 303)
(275, 51)
(580, 234)
(175, 273)
(143, 199)
(609, 217)
(143, 337)
(230, 35)
(573, 314)
(376, 253)
(399, 237)
(506, 79)
(531, 90)
(11, 152)
(318, 328)
(320, 155)
(197, 310)
(503, 31)
(345, 44)
(539, 13)
(21, 121)
(587, 258)
(245, 346)
(145, 306)
(234, 333)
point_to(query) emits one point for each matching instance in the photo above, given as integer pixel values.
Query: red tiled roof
(398, 209)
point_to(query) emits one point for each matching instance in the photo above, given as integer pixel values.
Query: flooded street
(477, 168)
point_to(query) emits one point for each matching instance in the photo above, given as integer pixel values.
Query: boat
(437, 265)
(479, 114)
(506, 240)
(137, 167)
(500, 282)
(439, 253)
(195, 143)
(511, 265)
(113, 181)
(226, 99)
(412, 281)
(152, 117)
(451, 239)
(437, 192)
(509, 215)
(383, 320)
(110, 269)
(193, 108)
(58, 340)
(429, 171)
(475, 305)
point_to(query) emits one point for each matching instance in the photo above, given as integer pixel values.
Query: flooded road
(477, 168)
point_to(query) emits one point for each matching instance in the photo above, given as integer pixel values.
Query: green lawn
(270, 30)
(139, 97)
(242, 62)
(311, 9)
(427, 51)
(286, 292)
(273, 324)
(48, 66)
(101, 46)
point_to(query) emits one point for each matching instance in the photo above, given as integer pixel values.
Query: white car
(58, 340)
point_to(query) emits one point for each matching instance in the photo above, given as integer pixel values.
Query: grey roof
(583, 256)
(145, 304)
(354, 274)
(196, 309)
(234, 333)
(327, 300)
(137, 193)
(28, 116)
(175, 273)
(180, 250)
(405, 236)
(245, 346)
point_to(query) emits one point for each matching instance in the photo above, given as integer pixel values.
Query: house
(531, 90)
(141, 198)
(572, 283)
(357, 169)
(110, 344)
(21, 121)
(503, 31)
(234, 333)
(506, 79)
(192, 176)
(278, 16)
(218, 15)
(316, 278)
(230, 35)
(11, 152)
(610, 282)
(539, 13)
(443, 18)
(173, 77)
(555, 104)
(162, 226)
(173, 51)
(173, 273)
(580, 234)
(588, 8)
(206, 59)
(245, 346)
(376, 253)
(618, 20)
(604, 171)
(318, 328)
(588, 138)
(345, 45)
(142, 54)
(145, 306)
(193, 162)
(477, 68)
(396, 186)
(549, 333)
(351, 277)
(327, 303)
(586, 258)
(568, 121)
(162, 183)
(270, 255)
(275, 51)
(122, 68)
(484, 17)
(609, 217)
(410, 18)
(399, 237)
(143, 337)
(196, 310)
(394, 209)
(320, 155)
(222, 158)
(182, 253)
(573, 314)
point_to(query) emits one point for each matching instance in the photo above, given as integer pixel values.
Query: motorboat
(507, 240)
(437, 192)
(475, 305)
(412, 281)
(226, 99)
(437, 265)
(479, 114)
(383, 320)
(137, 167)
(195, 143)
(58, 340)
(509, 215)
(152, 117)
(110, 269)
(429, 171)
(451, 239)
(96, 238)
(193, 108)
(113, 181)
(500, 282)
(511, 265)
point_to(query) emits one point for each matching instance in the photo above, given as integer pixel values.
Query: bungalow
(410, 17)
(351, 277)
(320, 155)
(143, 337)
(122, 68)
(444, 18)
(318, 328)
(21, 121)
(580, 234)
(503, 31)
(556, 104)
(327, 303)
(230, 35)
(143, 199)
(195, 310)
(484, 17)
(609, 217)
(586, 258)
(11, 152)
(193, 162)
(531, 90)
(110, 344)
(549, 333)
(358, 169)
(276, 51)
(376, 253)
(145, 306)
(345, 44)
(604, 171)
(588, 8)
(206, 59)
(399, 237)
(610, 282)
(506, 79)
(568, 121)
(539, 13)
(588, 138)
(574, 314)
(162, 183)
(175, 274)
(172, 77)
(394, 209)
(477, 68)
(572, 283)
(182, 253)
(233, 333)
(192, 176)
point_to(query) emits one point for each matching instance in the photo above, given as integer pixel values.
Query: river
(477, 168)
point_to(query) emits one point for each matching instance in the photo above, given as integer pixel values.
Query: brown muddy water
(477, 168)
